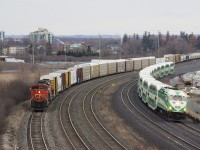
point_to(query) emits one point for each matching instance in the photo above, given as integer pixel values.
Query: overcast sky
(71, 17)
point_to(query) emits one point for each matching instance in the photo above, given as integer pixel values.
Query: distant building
(13, 50)
(41, 35)
(10, 59)
(113, 47)
(75, 46)
(2, 35)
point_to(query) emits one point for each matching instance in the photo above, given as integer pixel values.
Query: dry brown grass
(116, 124)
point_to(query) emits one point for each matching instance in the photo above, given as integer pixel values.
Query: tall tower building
(2, 35)
(41, 35)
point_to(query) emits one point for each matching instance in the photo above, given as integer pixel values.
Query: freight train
(50, 85)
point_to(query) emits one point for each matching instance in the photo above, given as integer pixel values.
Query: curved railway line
(173, 137)
(35, 134)
(77, 139)
(83, 129)
(178, 139)
(95, 123)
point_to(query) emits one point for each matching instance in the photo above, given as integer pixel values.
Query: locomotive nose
(38, 97)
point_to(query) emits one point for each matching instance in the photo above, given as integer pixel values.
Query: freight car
(52, 84)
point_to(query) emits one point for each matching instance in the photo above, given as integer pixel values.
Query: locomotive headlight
(39, 92)
(170, 108)
(184, 109)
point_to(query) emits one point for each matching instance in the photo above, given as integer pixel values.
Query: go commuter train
(50, 85)
(161, 97)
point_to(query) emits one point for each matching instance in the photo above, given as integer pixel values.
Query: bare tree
(177, 45)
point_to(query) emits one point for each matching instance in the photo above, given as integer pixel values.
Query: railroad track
(95, 123)
(35, 137)
(190, 129)
(182, 143)
(179, 140)
(68, 129)
(85, 93)
(72, 131)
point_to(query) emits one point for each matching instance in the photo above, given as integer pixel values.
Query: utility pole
(99, 47)
(158, 45)
(33, 57)
(65, 49)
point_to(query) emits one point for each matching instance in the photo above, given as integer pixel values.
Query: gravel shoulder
(14, 133)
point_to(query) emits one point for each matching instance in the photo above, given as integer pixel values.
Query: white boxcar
(152, 60)
(66, 78)
(121, 65)
(60, 75)
(145, 62)
(137, 63)
(72, 75)
(86, 70)
(59, 81)
(94, 70)
(169, 58)
(148, 61)
(112, 67)
(103, 69)
(160, 60)
(129, 65)
(183, 57)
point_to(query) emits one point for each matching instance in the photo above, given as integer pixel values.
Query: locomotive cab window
(34, 87)
(175, 97)
(172, 65)
(161, 91)
(145, 84)
(152, 87)
(43, 87)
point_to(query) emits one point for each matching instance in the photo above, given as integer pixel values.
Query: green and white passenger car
(159, 96)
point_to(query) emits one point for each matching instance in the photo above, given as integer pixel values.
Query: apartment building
(13, 50)
(41, 35)
(2, 35)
